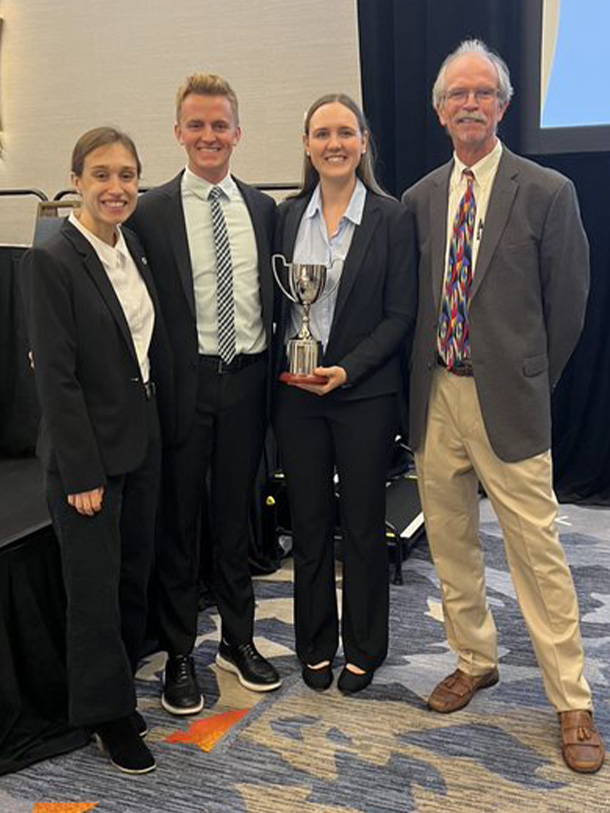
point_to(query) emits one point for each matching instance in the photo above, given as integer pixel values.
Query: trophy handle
(330, 290)
(279, 258)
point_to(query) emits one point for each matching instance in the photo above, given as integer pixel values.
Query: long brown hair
(365, 169)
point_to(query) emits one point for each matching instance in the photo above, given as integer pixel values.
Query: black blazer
(375, 311)
(159, 223)
(86, 370)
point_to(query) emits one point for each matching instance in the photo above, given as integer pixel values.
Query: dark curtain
(19, 413)
(33, 694)
(402, 44)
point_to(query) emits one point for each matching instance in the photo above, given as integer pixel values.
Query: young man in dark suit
(207, 236)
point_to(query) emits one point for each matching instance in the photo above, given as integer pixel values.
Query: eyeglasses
(461, 95)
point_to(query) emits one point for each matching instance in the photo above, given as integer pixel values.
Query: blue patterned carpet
(295, 751)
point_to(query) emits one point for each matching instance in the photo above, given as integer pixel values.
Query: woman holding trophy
(347, 251)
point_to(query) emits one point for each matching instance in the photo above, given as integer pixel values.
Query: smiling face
(472, 117)
(108, 185)
(334, 142)
(208, 131)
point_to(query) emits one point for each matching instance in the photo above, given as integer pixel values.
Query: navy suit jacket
(159, 223)
(376, 304)
(87, 374)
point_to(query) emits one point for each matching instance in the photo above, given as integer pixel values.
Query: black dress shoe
(318, 679)
(349, 682)
(119, 740)
(181, 693)
(139, 723)
(252, 670)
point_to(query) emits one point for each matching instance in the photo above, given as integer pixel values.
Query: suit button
(429, 365)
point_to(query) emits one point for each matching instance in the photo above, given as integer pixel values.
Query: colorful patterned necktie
(224, 280)
(453, 342)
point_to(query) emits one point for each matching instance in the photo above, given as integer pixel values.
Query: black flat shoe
(349, 682)
(317, 679)
(119, 740)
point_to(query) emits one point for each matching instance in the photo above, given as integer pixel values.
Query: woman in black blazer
(348, 423)
(99, 352)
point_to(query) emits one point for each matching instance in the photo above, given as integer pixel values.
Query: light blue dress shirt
(314, 245)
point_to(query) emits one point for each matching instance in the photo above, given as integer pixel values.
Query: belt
(238, 363)
(150, 389)
(462, 368)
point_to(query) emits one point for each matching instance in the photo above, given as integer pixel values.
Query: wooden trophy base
(299, 378)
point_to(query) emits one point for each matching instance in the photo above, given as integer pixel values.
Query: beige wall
(67, 65)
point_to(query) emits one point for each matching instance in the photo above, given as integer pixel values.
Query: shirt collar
(483, 169)
(201, 188)
(355, 207)
(110, 256)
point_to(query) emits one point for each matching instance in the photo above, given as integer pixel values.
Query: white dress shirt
(484, 172)
(314, 245)
(249, 328)
(130, 289)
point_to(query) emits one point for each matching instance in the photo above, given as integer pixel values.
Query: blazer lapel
(262, 238)
(176, 227)
(141, 262)
(294, 214)
(355, 256)
(100, 278)
(498, 210)
(439, 205)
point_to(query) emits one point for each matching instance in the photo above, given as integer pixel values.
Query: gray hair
(474, 46)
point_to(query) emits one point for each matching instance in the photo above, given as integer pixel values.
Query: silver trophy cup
(304, 284)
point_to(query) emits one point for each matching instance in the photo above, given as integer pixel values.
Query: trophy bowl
(305, 284)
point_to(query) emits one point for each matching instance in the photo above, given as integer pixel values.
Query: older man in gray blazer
(503, 287)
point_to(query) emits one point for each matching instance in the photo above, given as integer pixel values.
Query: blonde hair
(206, 84)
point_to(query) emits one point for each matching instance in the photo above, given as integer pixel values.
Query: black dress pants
(315, 435)
(106, 563)
(225, 443)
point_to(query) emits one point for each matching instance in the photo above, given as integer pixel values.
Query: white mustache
(472, 117)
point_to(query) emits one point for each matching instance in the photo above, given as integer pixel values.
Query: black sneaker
(120, 742)
(139, 723)
(181, 693)
(252, 670)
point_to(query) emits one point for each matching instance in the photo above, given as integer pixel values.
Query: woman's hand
(336, 378)
(88, 503)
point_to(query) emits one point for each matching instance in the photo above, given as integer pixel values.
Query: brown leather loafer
(581, 744)
(458, 689)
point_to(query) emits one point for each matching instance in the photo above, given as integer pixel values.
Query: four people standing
(503, 281)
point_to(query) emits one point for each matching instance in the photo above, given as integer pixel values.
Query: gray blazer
(527, 304)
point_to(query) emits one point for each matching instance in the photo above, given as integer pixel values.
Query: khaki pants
(456, 454)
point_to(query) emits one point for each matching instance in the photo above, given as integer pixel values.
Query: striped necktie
(453, 343)
(225, 303)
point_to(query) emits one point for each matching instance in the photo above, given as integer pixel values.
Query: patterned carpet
(295, 751)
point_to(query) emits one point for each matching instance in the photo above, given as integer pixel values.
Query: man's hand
(336, 378)
(88, 503)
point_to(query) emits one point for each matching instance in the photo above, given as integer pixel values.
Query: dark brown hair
(101, 137)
